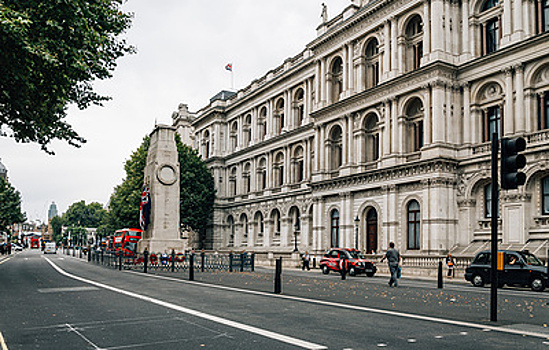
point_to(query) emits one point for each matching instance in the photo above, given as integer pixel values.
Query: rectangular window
(492, 122)
(491, 36)
(545, 195)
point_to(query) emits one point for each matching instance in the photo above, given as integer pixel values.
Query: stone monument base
(161, 245)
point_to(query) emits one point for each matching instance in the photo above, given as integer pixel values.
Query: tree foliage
(10, 206)
(57, 228)
(197, 190)
(126, 198)
(50, 52)
(81, 214)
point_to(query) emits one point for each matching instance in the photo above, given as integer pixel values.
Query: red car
(356, 262)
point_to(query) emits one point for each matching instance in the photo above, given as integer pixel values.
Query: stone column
(518, 32)
(438, 113)
(351, 75)
(506, 21)
(508, 122)
(529, 100)
(345, 73)
(394, 124)
(394, 52)
(386, 49)
(387, 128)
(465, 39)
(467, 121)
(426, 30)
(437, 14)
(162, 178)
(519, 103)
(427, 116)
(318, 81)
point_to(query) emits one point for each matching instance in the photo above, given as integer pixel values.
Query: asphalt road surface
(61, 302)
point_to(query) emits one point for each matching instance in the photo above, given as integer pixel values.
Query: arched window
(414, 225)
(260, 228)
(335, 144)
(542, 16)
(206, 143)
(246, 178)
(277, 226)
(298, 165)
(262, 175)
(279, 169)
(232, 182)
(545, 195)
(334, 228)
(279, 116)
(490, 27)
(232, 230)
(247, 129)
(492, 122)
(372, 63)
(262, 124)
(245, 229)
(299, 107)
(234, 135)
(371, 138)
(414, 120)
(414, 43)
(336, 78)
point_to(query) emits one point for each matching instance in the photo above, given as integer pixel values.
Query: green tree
(10, 206)
(197, 191)
(81, 214)
(50, 53)
(57, 228)
(126, 198)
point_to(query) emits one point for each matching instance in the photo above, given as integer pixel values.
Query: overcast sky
(182, 49)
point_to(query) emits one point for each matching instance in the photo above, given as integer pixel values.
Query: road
(61, 302)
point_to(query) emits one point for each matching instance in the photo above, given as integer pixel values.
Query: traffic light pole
(494, 232)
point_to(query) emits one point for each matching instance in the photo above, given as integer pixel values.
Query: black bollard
(202, 261)
(440, 274)
(80, 252)
(101, 256)
(89, 254)
(314, 262)
(173, 260)
(120, 261)
(252, 262)
(191, 267)
(242, 262)
(278, 276)
(230, 262)
(145, 260)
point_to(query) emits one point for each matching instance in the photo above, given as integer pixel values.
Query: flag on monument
(145, 208)
(229, 67)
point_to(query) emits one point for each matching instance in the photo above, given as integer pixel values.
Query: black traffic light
(511, 162)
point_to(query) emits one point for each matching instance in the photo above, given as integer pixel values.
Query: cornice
(378, 176)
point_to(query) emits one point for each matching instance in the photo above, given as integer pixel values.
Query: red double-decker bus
(125, 241)
(35, 242)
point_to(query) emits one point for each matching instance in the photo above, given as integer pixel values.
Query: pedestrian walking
(393, 258)
(450, 263)
(306, 258)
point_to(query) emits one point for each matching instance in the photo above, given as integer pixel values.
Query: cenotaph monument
(161, 234)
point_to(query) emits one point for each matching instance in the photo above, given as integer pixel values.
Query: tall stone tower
(162, 178)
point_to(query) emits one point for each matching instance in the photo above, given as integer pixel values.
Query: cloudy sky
(182, 49)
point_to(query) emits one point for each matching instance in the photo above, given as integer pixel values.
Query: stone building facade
(379, 130)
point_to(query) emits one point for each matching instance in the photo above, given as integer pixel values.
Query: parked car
(520, 268)
(16, 247)
(356, 262)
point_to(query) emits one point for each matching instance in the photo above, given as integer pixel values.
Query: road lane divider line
(251, 329)
(502, 329)
(4, 260)
(74, 330)
(3, 342)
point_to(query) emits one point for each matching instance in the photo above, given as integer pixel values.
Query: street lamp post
(296, 228)
(357, 220)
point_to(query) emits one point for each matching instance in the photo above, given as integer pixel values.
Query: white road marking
(3, 261)
(2, 342)
(233, 324)
(483, 327)
(74, 330)
(66, 289)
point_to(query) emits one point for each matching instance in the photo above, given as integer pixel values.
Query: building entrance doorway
(371, 231)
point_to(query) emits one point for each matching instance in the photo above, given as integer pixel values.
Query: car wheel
(478, 281)
(537, 284)
(325, 269)
(370, 274)
(352, 271)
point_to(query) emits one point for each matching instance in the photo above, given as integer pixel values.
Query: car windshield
(356, 255)
(531, 259)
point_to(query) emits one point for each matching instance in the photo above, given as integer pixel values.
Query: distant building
(3, 171)
(52, 211)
